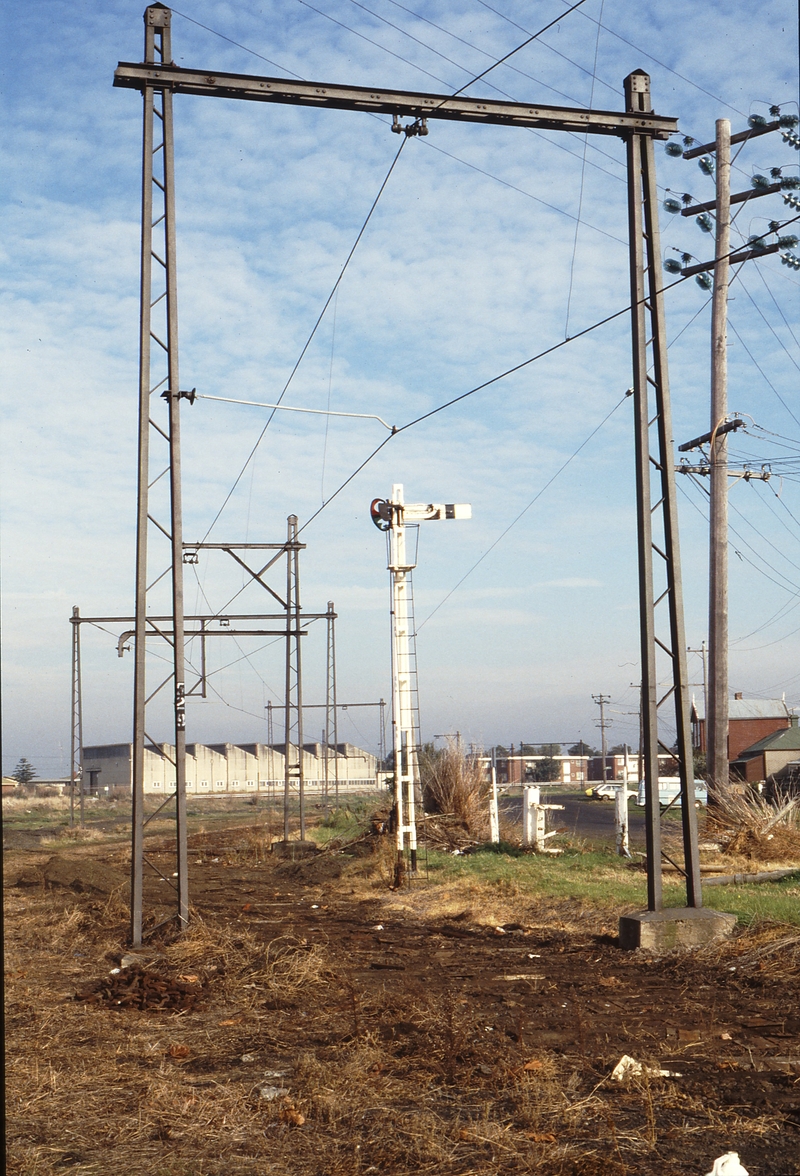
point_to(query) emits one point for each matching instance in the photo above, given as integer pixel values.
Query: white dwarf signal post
(393, 516)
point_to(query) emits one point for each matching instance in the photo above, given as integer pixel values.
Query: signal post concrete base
(674, 927)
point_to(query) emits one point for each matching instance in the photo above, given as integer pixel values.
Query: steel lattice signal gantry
(159, 511)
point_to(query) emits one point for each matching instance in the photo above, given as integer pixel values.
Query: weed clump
(761, 829)
(455, 785)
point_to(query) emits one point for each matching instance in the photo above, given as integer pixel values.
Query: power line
(310, 337)
(663, 65)
(762, 372)
(489, 175)
(583, 177)
(230, 41)
(505, 58)
(442, 29)
(514, 188)
(463, 396)
(369, 41)
(770, 326)
(487, 383)
(497, 89)
(760, 273)
(524, 510)
(788, 586)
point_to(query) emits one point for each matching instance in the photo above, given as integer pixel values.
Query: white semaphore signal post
(393, 516)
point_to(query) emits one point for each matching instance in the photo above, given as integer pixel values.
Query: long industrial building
(217, 769)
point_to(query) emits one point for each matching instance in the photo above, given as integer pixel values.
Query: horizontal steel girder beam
(251, 88)
(222, 619)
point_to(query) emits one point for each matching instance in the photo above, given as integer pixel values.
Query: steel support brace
(661, 627)
(293, 739)
(158, 374)
(331, 709)
(76, 721)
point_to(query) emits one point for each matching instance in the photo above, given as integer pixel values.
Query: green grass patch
(604, 880)
(350, 820)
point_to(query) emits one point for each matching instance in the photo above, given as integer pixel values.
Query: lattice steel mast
(76, 721)
(657, 510)
(158, 374)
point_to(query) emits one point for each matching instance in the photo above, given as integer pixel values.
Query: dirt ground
(313, 1021)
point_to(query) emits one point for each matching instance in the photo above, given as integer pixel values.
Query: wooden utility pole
(717, 701)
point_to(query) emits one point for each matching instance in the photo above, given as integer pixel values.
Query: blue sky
(470, 264)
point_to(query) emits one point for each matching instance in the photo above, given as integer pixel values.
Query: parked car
(605, 791)
(669, 792)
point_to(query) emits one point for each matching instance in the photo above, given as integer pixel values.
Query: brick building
(749, 720)
(769, 755)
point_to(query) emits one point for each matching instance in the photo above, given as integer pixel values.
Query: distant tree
(582, 748)
(618, 749)
(550, 749)
(501, 751)
(544, 771)
(24, 772)
(700, 766)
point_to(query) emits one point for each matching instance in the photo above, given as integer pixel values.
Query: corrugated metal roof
(786, 740)
(748, 708)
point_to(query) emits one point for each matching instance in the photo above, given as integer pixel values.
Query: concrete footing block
(674, 928)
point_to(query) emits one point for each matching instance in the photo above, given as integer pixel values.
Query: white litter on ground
(728, 1165)
(628, 1067)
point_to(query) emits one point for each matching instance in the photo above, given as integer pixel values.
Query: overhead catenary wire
(525, 509)
(511, 53)
(547, 485)
(762, 372)
(478, 75)
(307, 343)
(486, 384)
(457, 399)
(770, 327)
(583, 177)
(497, 89)
(760, 273)
(450, 155)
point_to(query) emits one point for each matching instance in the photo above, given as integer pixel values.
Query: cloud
(457, 278)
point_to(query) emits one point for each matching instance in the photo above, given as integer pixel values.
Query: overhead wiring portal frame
(663, 644)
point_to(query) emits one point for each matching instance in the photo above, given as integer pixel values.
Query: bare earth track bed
(312, 1021)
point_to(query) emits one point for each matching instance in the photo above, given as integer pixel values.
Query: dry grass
(400, 1078)
(454, 785)
(750, 826)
